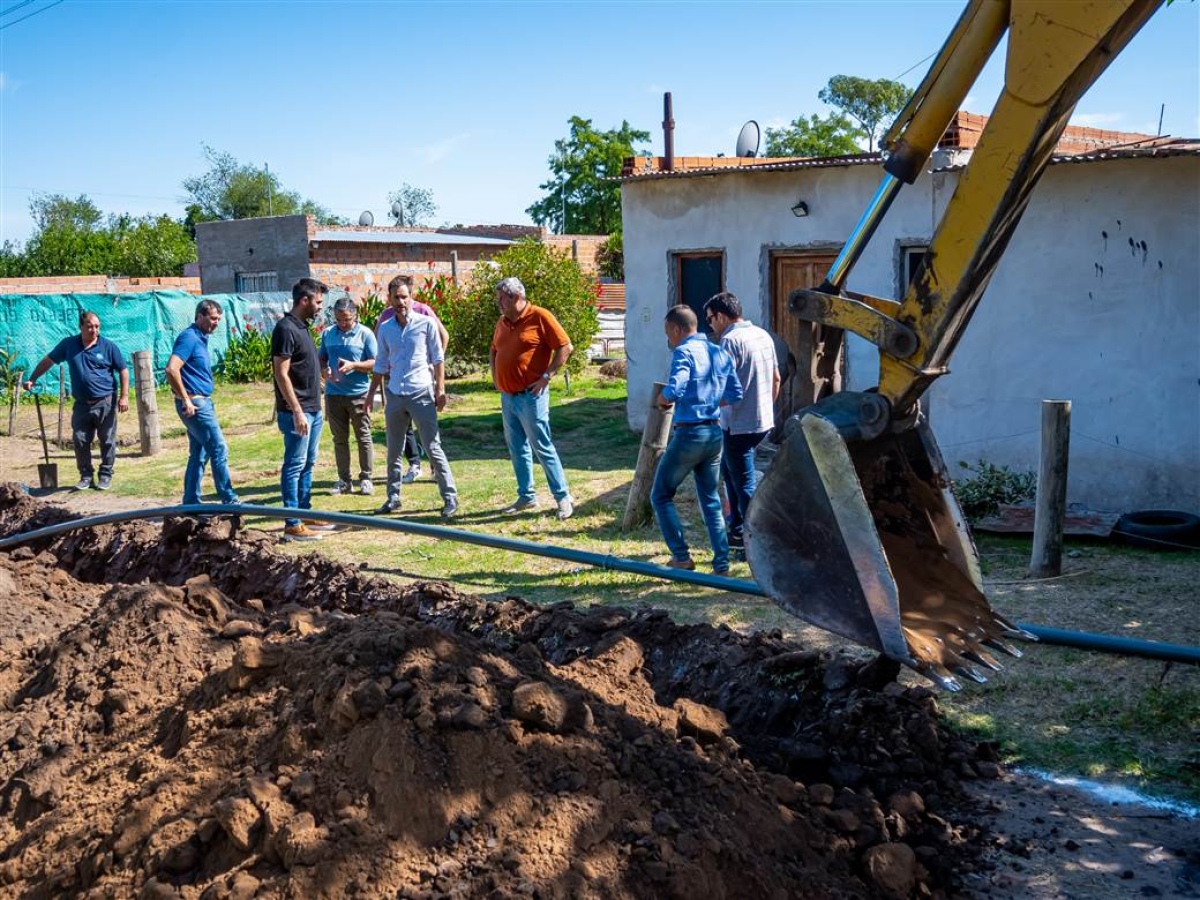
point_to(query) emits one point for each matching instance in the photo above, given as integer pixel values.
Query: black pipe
(668, 135)
(1082, 640)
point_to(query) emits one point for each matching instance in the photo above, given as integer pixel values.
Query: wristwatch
(547, 376)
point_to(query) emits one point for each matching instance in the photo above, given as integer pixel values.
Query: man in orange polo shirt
(529, 346)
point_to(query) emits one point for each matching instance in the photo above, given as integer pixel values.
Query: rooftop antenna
(367, 218)
(398, 213)
(747, 142)
(1162, 109)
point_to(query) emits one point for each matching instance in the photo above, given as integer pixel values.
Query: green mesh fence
(32, 324)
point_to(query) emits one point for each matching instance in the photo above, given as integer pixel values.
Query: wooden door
(820, 360)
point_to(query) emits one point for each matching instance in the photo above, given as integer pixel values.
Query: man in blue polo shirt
(347, 357)
(92, 361)
(189, 372)
(702, 379)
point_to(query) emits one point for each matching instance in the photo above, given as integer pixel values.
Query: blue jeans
(527, 431)
(299, 457)
(737, 471)
(695, 450)
(206, 444)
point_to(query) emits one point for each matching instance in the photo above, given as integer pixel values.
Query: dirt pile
(209, 718)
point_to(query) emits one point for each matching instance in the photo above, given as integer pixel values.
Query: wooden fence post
(147, 403)
(14, 398)
(62, 406)
(454, 267)
(654, 440)
(1051, 506)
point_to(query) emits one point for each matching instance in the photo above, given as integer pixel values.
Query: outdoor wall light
(800, 210)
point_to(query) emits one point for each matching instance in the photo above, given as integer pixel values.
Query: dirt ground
(185, 712)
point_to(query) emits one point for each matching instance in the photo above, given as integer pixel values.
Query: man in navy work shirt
(702, 379)
(348, 356)
(189, 372)
(92, 361)
(298, 403)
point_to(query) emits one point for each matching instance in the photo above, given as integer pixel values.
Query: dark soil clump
(208, 718)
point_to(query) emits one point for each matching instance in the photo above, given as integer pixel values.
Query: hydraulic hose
(1082, 640)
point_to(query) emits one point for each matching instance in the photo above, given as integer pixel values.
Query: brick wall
(95, 284)
(588, 244)
(965, 129)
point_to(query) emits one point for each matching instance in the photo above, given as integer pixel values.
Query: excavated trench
(185, 712)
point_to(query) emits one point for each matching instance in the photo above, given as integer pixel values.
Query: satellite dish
(398, 212)
(367, 218)
(747, 142)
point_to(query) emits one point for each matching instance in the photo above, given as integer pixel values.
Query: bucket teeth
(983, 658)
(1004, 647)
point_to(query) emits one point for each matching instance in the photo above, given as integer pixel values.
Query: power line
(914, 65)
(30, 16)
(13, 9)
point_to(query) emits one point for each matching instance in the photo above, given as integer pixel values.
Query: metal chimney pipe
(668, 135)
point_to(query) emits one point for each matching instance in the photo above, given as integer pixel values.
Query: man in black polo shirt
(298, 402)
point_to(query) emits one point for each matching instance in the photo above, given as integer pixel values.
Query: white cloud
(1096, 120)
(437, 151)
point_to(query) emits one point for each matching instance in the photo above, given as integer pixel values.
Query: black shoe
(449, 509)
(104, 484)
(85, 483)
(390, 505)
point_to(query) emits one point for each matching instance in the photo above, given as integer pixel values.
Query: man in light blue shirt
(347, 357)
(702, 380)
(411, 369)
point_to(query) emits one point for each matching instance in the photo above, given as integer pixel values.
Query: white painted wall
(1125, 347)
(1071, 315)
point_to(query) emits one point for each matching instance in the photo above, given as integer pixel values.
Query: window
(256, 282)
(697, 277)
(911, 260)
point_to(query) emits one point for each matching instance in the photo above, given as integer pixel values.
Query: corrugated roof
(1155, 147)
(728, 165)
(404, 237)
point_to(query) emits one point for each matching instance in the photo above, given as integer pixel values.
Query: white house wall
(1115, 329)
(748, 217)
(1123, 344)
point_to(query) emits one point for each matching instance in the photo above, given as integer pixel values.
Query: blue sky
(347, 100)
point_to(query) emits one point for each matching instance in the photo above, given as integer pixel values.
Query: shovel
(47, 471)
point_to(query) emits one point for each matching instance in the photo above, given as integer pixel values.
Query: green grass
(1068, 711)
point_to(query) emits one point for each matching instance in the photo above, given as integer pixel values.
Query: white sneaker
(340, 487)
(566, 507)
(413, 473)
(366, 487)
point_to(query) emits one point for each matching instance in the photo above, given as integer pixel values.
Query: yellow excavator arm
(855, 526)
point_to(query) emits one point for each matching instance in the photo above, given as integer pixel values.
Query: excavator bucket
(861, 535)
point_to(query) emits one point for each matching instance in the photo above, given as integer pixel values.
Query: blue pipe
(1055, 636)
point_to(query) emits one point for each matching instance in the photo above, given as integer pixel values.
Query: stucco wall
(1124, 345)
(275, 244)
(1073, 315)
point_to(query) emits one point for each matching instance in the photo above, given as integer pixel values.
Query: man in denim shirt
(702, 379)
(189, 372)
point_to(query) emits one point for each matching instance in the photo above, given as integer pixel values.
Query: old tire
(1158, 529)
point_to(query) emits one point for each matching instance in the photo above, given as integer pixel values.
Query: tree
(60, 211)
(151, 246)
(417, 206)
(552, 280)
(835, 135)
(870, 103)
(236, 190)
(74, 238)
(582, 196)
